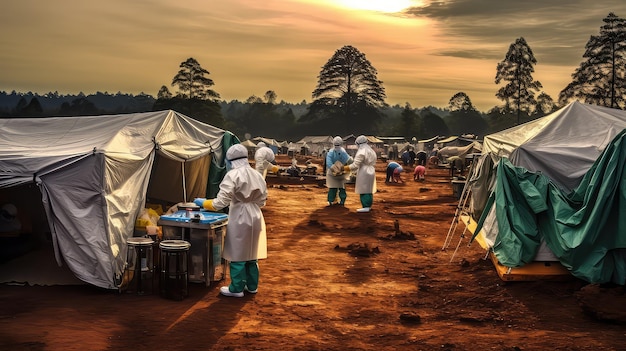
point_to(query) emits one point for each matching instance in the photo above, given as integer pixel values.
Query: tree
(164, 93)
(409, 124)
(432, 125)
(206, 111)
(460, 102)
(33, 108)
(192, 81)
(601, 77)
(79, 107)
(348, 86)
(463, 117)
(516, 69)
(545, 105)
(270, 97)
(253, 99)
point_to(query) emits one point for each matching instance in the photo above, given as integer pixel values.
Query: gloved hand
(199, 201)
(274, 169)
(207, 204)
(347, 169)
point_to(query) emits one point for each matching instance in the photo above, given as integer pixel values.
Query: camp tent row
(94, 174)
(556, 183)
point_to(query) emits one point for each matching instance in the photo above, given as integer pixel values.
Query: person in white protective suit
(336, 159)
(264, 159)
(245, 191)
(364, 162)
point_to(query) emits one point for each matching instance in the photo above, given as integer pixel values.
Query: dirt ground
(335, 280)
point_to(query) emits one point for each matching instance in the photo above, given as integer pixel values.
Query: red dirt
(334, 280)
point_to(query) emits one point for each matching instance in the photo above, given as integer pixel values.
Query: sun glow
(389, 6)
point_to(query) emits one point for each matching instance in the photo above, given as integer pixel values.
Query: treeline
(255, 116)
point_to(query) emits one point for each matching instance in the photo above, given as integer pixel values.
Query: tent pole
(184, 184)
(465, 194)
(459, 244)
(455, 220)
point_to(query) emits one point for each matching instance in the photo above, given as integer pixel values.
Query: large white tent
(564, 151)
(94, 173)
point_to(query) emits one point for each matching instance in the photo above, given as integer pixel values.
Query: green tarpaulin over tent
(585, 228)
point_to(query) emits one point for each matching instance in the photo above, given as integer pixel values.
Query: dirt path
(334, 280)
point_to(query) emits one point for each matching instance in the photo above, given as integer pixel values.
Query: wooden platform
(537, 270)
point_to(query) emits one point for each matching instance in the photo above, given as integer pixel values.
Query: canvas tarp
(93, 174)
(585, 228)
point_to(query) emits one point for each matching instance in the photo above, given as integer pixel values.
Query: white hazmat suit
(245, 191)
(364, 165)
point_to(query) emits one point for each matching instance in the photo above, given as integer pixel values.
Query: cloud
(556, 30)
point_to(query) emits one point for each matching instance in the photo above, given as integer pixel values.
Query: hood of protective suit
(361, 140)
(237, 155)
(337, 143)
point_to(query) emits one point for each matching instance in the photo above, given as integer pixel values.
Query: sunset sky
(425, 51)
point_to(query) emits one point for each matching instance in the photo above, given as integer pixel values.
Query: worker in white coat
(364, 165)
(264, 159)
(336, 159)
(245, 191)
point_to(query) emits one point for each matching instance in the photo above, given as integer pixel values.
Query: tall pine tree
(516, 69)
(601, 77)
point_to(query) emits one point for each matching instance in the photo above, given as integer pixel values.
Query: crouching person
(243, 189)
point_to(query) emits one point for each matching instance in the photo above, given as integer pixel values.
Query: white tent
(315, 144)
(562, 145)
(93, 174)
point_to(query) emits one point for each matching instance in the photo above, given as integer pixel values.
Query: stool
(140, 265)
(174, 272)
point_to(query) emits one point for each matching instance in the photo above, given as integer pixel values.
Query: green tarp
(585, 229)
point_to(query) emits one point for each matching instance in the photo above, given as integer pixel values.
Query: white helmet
(260, 144)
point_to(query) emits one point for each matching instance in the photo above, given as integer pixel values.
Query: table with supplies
(205, 232)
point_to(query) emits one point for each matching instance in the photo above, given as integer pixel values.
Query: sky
(425, 51)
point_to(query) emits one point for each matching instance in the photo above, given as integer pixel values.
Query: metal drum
(140, 266)
(174, 269)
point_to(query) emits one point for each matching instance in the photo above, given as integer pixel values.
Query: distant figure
(456, 164)
(421, 157)
(412, 156)
(394, 172)
(405, 158)
(433, 161)
(419, 173)
(264, 159)
(324, 153)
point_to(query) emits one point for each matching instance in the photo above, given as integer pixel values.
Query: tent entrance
(166, 182)
(27, 254)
